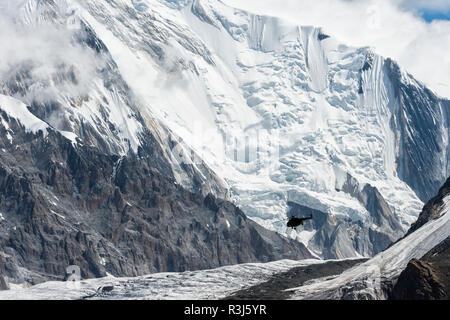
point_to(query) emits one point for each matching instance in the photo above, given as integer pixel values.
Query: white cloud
(421, 48)
(46, 52)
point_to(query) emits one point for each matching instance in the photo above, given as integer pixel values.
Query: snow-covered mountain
(376, 278)
(87, 177)
(279, 118)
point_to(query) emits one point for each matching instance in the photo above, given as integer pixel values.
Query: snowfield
(190, 285)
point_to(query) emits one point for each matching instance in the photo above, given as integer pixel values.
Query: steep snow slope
(18, 110)
(289, 117)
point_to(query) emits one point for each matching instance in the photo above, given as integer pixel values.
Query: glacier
(211, 284)
(368, 280)
(288, 118)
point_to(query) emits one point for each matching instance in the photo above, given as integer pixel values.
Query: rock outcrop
(427, 278)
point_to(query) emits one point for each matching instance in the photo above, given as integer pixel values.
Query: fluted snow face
(281, 112)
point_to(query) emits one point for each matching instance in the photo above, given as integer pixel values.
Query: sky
(415, 33)
(434, 15)
(429, 10)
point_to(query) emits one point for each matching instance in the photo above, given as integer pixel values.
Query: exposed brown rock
(419, 281)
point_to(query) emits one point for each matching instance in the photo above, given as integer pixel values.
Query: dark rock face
(439, 259)
(67, 205)
(420, 119)
(373, 201)
(3, 284)
(427, 278)
(368, 64)
(322, 36)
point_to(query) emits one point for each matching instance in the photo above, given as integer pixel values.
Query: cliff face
(420, 121)
(427, 278)
(64, 204)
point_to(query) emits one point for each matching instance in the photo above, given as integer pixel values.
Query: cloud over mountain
(393, 28)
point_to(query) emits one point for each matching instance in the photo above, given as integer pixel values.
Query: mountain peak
(268, 112)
